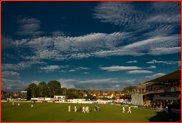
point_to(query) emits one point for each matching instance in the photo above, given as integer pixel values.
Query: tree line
(52, 88)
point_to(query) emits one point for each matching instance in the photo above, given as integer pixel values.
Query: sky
(88, 45)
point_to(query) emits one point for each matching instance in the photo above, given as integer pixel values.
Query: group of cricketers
(96, 108)
(129, 110)
(82, 109)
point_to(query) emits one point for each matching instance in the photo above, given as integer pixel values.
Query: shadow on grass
(163, 117)
(68, 120)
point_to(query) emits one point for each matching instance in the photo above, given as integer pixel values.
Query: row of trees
(52, 88)
(43, 89)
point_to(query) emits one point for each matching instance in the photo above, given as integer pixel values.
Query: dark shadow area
(68, 120)
(163, 117)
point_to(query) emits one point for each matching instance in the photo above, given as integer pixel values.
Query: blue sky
(88, 45)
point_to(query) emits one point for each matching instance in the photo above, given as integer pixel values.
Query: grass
(57, 112)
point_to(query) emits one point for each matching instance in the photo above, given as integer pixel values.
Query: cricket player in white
(12, 103)
(88, 109)
(75, 108)
(69, 108)
(129, 110)
(18, 104)
(32, 106)
(83, 110)
(123, 109)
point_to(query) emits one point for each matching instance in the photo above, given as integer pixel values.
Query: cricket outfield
(58, 112)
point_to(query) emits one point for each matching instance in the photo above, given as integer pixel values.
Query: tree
(19, 95)
(129, 88)
(59, 92)
(43, 89)
(71, 96)
(80, 96)
(32, 91)
(54, 87)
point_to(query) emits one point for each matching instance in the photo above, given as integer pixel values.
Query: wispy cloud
(139, 72)
(123, 13)
(63, 71)
(165, 62)
(72, 70)
(156, 75)
(11, 81)
(119, 68)
(52, 68)
(118, 13)
(9, 74)
(28, 26)
(20, 66)
(82, 68)
(97, 45)
(135, 61)
(151, 67)
(156, 29)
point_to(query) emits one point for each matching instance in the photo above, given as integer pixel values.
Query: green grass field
(57, 112)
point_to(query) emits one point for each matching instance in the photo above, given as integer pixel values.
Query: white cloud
(151, 67)
(156, 75)
(72, 70)
(82, 68)
(118, 13)
(165, 18)
(117, 85)
(162, 51)
(52, 68)
(119, 68)
(9, 74)
(97, 45)
(139, 71)
(63, 71)
(159, 37)
(165, 62)
(28, 26)
(11, 81)
(36, 82)
(19, 66)
(135, 61)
